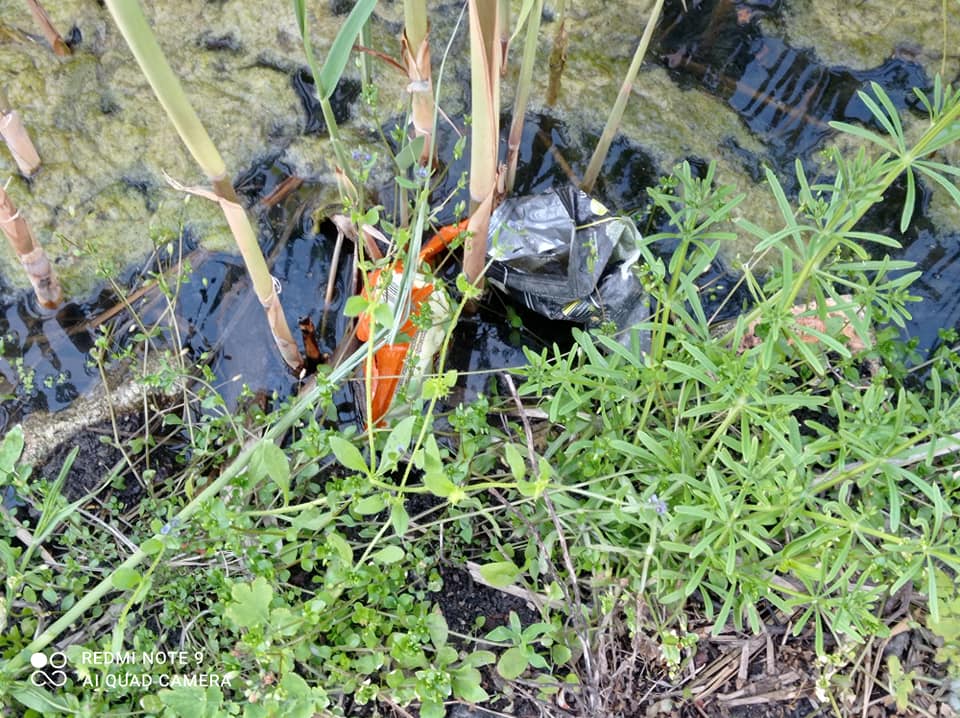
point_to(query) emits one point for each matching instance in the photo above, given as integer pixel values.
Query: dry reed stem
(264, 285)
(485, 59)
(420, 87)
(14, 133)
(32, 257)
(60, 48)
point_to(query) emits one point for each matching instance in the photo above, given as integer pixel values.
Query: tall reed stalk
(523, 90)
(133, 25)
(415, 45)
(485, 60)
(616, 115)
(14, 133)
(558, 56)
(32, 257)
(504, 11)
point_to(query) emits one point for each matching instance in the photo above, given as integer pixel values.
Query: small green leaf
(251, 603)
(294, 685)
(908, 202)
(434, 477)
(388, 554)
(355, 306)
(370, 505)
(152, 546)
(125, 578)
(396, 444)
(399, 518)
(432, 709)
(500, 573)
(438, 484)
(348, 454)
(410, 153)
(515, 461)
(479, 658)
(41, 700)
(560, 654)
(466, 685)
(339, 544)
(11, 448)
(268, 459)
(512, 663)
(192, 701)
(405, 183)
(437, 625)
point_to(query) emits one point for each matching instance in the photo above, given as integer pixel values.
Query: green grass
(727, 477)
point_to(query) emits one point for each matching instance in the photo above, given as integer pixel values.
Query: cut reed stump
(31, 254)
(14, 133)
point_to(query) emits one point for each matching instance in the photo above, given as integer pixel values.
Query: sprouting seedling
(133, 25)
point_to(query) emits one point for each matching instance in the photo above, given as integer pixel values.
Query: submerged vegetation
(632, 494)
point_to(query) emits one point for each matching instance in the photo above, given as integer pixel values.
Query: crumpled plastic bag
(565, 256)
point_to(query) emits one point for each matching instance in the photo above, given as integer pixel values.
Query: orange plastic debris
(388, 361)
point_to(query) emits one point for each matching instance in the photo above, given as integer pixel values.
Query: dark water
(784, 96)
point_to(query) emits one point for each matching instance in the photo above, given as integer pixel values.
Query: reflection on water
(784, 95)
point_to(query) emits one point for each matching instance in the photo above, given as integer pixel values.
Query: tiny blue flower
(657, 504)
(422, 172)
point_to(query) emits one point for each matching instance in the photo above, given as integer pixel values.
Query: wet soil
(100, 457)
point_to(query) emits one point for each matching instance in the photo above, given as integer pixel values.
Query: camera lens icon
(49, 673)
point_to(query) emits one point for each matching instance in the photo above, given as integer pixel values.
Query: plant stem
(60, 48)
(616, 115)
(558, 56)
(32, 257)
(15, 134)
(326, 109)
(166, 86)
(722, 429)
(523, 92)
(485, 59)
(416, 58)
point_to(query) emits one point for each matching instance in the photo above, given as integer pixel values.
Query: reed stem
(15, 134)
(485, 57)
(32, 257)
(416, 58)
(616, 115)
(60, 48)
(166, 86)
(523, 93)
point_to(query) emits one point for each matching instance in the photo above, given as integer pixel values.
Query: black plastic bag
(565, 256)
